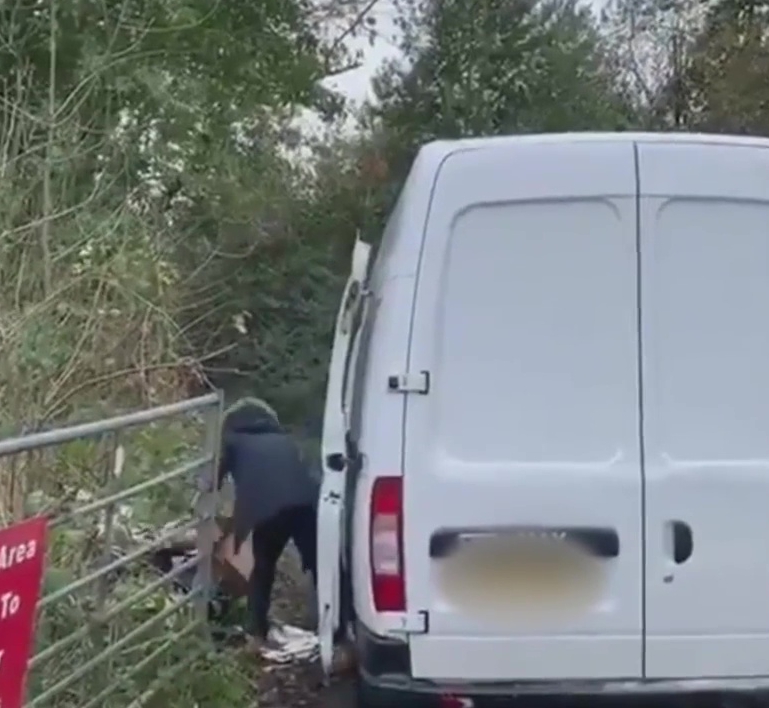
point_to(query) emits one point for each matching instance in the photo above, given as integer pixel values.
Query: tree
(693, 65)
(650, 44)
(142, 144)
(494, 67)
(728, 73)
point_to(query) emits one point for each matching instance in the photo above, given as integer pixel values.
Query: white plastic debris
(290, 644)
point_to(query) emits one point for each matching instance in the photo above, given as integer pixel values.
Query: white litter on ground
(293, 644)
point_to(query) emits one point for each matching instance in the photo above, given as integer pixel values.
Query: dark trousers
(270, 538)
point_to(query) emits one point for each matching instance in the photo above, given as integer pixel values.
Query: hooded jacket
(267, 468)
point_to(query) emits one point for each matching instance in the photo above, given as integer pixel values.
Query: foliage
(129, 137)
(728, 76)
(493, 68)
(164, 223)
(693, 65)
(262, 284)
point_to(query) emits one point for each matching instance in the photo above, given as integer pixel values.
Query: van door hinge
(410, 623)
(409, 383)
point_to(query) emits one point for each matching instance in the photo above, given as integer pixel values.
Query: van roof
(442, 148)
(399, 243)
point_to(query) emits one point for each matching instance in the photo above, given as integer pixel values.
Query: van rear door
(336, 424)
(522, 467)
(705, 268)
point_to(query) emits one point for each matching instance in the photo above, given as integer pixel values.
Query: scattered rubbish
(183, 563)
(287, 644)
(231, 570)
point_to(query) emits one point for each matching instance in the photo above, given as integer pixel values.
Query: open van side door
(336, 423)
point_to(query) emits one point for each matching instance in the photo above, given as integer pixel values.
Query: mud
(300, 684)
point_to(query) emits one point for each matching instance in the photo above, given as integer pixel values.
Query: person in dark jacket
(276, 499)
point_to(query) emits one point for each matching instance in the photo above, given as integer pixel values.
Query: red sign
(22, 557)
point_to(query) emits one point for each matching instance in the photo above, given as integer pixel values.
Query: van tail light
(388, 582)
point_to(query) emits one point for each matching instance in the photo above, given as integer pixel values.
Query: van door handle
(683, 541)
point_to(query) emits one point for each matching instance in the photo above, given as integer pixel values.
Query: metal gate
(114, 628)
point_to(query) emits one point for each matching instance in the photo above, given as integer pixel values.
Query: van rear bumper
(385, 680)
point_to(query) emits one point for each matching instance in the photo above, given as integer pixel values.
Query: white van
(546, 439)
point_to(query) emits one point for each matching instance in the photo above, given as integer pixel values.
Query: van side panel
(377, 415)
(705, 323)
(379, 429)
(526, 318)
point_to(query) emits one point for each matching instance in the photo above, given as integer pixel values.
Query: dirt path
(296, 685)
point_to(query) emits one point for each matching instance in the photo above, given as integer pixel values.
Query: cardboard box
(232, 569)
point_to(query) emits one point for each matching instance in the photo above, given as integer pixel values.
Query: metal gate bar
(36, 441)
(104, 655)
